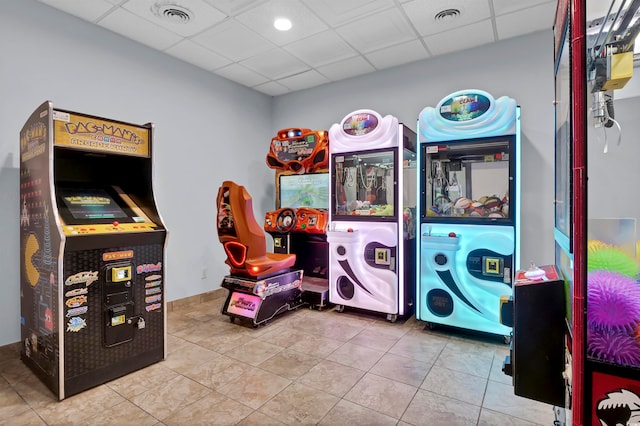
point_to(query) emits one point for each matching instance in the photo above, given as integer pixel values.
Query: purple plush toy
(613, 315)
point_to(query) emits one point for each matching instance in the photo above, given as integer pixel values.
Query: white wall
(521, 68)
(209, 129)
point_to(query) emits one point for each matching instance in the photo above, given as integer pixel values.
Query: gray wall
(209, 129)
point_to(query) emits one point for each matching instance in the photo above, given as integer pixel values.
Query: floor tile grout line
(484, 394)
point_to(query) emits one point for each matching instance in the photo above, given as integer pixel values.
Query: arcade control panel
(303, 230)
(106, 228)
(302, 219)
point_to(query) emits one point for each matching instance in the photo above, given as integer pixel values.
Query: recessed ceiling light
(282, 24)
(446, 15)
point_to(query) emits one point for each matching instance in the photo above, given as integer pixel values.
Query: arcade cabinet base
(315, 292)
(261, 300)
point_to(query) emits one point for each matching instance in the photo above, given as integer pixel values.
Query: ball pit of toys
(613, 305)
(486, 206)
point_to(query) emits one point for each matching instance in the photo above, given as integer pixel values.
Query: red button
(115, 223)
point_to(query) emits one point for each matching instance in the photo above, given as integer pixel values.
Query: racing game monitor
(303, 190)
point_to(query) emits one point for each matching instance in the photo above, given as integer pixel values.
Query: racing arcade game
(261, 284)
(372, 215)
(299, 223)
(469, 161)
(92, 250)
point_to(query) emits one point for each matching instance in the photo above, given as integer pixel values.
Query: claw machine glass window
(470, 180)
(364, 185)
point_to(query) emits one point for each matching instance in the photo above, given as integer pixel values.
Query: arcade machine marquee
(92, 250)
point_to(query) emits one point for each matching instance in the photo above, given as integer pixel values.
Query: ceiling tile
(526, 21)
(184, 17)
(500, 7)
(346, 69)
(241, 75)
(466, 37)
(304, 80)
(233, 40)
(271, 88)
(339, 12)
(398, 55)
(129, 25)
(377, 31)
(275, 64)
(260, 19)
(330, 40)
(422, 14)
(233, 7)
(89, 11)
(197, 55)
(321, 49)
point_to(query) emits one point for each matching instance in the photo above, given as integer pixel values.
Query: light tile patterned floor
(305, 367)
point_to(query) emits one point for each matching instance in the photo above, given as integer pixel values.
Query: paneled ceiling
(330, 40)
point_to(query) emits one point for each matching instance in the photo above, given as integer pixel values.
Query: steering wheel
(286, 220)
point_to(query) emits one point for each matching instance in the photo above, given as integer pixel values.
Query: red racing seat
(243, 238)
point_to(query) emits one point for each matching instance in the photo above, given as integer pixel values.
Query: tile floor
(305, 367)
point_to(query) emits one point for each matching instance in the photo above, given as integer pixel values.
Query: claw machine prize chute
(468, 243)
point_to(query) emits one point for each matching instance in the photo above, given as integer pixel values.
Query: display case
(364, 184)
(469, 180)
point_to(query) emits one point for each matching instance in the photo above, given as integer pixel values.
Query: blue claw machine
(468, 211)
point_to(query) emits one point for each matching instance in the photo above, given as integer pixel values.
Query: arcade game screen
(86, 205)
(307, 190)
(469, 179)
(365, 183)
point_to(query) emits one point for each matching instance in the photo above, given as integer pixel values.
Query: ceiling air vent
(446, 15)
(172, 13)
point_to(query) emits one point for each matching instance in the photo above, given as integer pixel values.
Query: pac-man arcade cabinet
(92, 283)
